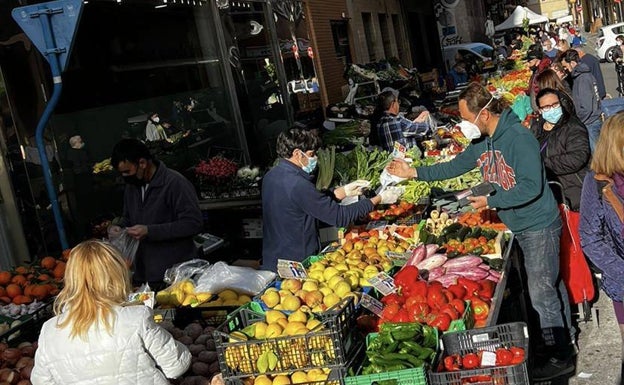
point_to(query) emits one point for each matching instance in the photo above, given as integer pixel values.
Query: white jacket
(137, 352)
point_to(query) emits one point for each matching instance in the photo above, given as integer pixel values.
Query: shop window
(367, 20)
(385, 35)
(340, 34)
(398, 37)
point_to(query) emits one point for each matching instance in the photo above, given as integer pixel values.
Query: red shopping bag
(573, 265)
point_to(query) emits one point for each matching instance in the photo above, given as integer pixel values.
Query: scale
(208, 242)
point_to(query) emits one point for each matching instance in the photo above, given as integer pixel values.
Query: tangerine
(28, 290)
(19, 279)
(13, 290)
(21, 270)
(5, 277)
(5, 299)
(22, 300)
(2, 292)
(59, 270)
(43, 277)
(40, 292)
(48, 263)
(65, 254)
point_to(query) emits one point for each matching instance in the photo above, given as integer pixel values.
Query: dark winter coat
(594, 66)
(585, 94)
(170, 210)
(565, 152)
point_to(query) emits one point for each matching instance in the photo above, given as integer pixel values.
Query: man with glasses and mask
(292, 206)
(509, 158)
(392, 127)
(160, 209)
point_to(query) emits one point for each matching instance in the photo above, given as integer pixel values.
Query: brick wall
(329, 67)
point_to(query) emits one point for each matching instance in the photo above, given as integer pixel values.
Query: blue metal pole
(43, 121)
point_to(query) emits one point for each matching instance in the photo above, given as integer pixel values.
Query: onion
(24, 382)
(27, 351)
(8, 375)
(23, 344)
(25, 372)
(3, 347)
(24, 362)
(11, 355)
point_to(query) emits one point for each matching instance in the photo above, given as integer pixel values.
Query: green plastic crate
(414, 376)
(465, 322)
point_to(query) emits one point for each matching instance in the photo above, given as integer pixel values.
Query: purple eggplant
(418, 255)
(464, 262)
(484, 266)
(436, 273)
(436, 260)
(473, 273)
(494, 273)
(492, 278)
(431, 249)
(447, 279)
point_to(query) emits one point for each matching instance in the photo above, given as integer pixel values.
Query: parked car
(475, 54)
(605, 42)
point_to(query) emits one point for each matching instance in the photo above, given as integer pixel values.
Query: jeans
(593, 130)
(547, 291)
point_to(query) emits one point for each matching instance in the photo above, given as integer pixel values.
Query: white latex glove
(355, 188)
(391, 194)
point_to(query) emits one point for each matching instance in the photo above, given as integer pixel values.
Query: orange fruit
(48, 263)
(13, 290)
(2, 292)
(40, 291)
(22, 299)
(65, 255)
(5, 277)
(28, 290)
(19, 279)
(5, 300)
(21, 270)
(59, 270)
(43, 277)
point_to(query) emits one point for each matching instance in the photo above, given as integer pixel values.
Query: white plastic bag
(122, 241)
(243, 280)
(186, 270)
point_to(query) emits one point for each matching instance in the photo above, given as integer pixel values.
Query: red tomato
(470, 361)
(459, 305)
(458, 290)
(435, 297)
(503, 357)
(449, 295)
(401, 316)
(390, 311)
(518, 355)
(392, 298)
(413, 300)
(452, 362)
(441, 321)
(449, 310)
(419, 312)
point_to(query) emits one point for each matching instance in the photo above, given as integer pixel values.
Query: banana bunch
(103, 166)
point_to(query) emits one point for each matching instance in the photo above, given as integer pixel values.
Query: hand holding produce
(390, 195)
(399, 167)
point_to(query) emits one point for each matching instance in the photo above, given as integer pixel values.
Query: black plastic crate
(327, 346)
(489, 339)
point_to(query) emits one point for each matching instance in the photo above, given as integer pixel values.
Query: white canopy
(515, 19)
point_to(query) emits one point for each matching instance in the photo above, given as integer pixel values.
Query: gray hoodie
(585, 94)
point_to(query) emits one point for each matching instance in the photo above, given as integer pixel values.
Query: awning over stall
(519, 14)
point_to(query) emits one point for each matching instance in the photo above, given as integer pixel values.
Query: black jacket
(585, 94)
(170, 210)
(594, 66)
(565, 152)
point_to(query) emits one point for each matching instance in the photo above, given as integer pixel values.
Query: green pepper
(430, 339)
(427, 354)
(384, 362)
(372, 368)
(395, 367)
(415, 361)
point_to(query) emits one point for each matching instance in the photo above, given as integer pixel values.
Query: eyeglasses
(550, 107)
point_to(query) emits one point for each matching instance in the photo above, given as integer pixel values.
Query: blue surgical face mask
(553, 115)
(312, 160)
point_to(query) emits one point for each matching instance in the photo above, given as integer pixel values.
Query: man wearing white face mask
(292, 206)
(509, 158)
(154, 130)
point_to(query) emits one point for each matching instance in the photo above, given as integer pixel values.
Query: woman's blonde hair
(96, 280)
(608, 156)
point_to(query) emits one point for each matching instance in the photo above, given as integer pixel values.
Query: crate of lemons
(184, 293)
(297, 377)
(251, 344)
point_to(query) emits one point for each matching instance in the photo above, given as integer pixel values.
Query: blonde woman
(95, 338)
(602, 212)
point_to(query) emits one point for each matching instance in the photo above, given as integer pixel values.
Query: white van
(479, 53)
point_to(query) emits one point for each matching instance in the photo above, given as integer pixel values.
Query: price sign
(370, 303)
(399, 150)
(147, 297)
(383, 283)
(291, 269)
(376, 225)
(398, 257)
(488, 359)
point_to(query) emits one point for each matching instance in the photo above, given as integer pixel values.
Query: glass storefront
(221, 76)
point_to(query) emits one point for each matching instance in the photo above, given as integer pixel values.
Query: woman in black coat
(564, 144)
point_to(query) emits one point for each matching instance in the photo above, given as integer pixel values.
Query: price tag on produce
(370, 303)
(488, 359)
(399, 150)
(383, 283)
(291, 269)
(147, 297)
(376, 225)
(398, 257)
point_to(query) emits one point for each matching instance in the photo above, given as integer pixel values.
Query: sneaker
(553, 368)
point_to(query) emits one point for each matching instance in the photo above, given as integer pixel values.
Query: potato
(167, 325)
(24, 362)
(194, 380)
(202, 339)
(25, 372)
(9, 376)
(186, 340)
(214, 367)
(195, 349)
(209, 330)
(210, 346)
(176, 333)
(201, 369)
(208, 357)
(24, 382)
(27, 351)
(193, 330)
(11, 355)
